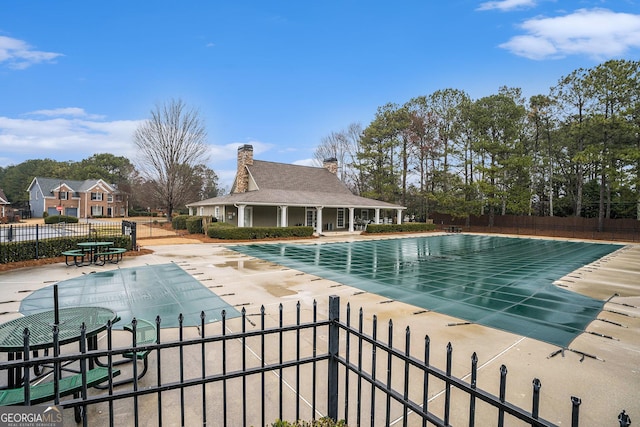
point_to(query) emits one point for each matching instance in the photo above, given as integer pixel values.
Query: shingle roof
(280, 176)
(49, 184)
(293, 185)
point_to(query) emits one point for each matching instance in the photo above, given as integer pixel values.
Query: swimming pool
(143, 292)
(500, 282)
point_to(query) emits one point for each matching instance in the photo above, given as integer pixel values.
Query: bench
(77, 255)
(45, 392)
(453, 229)
(146, 334)
(113, 255)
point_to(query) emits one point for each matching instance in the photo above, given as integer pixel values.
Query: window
(340, 219)
(216, 212)
(118, 197)
(109, 198)
(63, 195)
(96, 210)
(364, 214)
(96, 196)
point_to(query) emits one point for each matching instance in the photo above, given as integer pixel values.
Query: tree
(205, 183)
(614, 85)
(170, 145)
(105, 166)
(343, 146)
(497, 121)
(382, 143)
(542, 150)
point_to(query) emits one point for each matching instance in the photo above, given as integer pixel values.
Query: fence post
(575, 411)
(624, 419)
(332, 380)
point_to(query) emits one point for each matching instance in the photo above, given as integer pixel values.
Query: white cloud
(64, 138)
(506, 5)
(69, 111)
(598, 33)
(306, 162)
(19, 55)
(223, 159)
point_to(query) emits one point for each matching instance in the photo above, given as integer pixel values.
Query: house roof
(48, 185)
(293, 185)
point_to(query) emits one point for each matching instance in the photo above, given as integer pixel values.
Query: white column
(399, 220)
(241, 215)
(319, 219)
(351, 219)
(377, 218)
(283, 216)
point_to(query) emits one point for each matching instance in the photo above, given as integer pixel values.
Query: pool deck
(607, 379)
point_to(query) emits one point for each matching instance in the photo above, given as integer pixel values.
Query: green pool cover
(143, 292)
(504, 283)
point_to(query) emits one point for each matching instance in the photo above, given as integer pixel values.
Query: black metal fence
(299, 371)
(37, 235)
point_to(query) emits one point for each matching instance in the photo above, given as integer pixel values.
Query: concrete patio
(602, 367)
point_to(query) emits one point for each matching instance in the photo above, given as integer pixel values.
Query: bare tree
(342, 146)
(170, 145)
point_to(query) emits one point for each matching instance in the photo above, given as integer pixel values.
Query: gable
(3, 198)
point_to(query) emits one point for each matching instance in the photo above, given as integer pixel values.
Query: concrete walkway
(601, 367)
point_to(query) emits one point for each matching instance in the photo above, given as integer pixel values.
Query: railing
(36, 235)
(300, 371)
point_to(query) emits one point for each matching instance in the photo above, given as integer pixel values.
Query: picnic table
(40, 327)
(93, 253)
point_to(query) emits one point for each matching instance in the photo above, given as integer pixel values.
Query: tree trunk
(601, 202)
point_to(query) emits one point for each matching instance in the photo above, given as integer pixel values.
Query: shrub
(398, 228)
(50, 248)
(179, 222)
(219, 230)
(194, 224)
(45, 214)
(54, 219)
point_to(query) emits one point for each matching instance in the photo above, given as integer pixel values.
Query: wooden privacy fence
(572, 227)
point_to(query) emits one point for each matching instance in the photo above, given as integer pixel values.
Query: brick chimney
(245, 158)
(331, 165)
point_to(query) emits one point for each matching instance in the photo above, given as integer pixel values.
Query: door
(312, 216)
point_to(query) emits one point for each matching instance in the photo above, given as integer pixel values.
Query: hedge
(50, 248)
(179, 222)
(397, 228)
(229, 232)
(54, 219)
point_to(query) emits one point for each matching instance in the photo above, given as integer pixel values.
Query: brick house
(271, 194)
(81, 199)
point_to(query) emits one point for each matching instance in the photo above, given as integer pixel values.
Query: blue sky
(77, 77)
